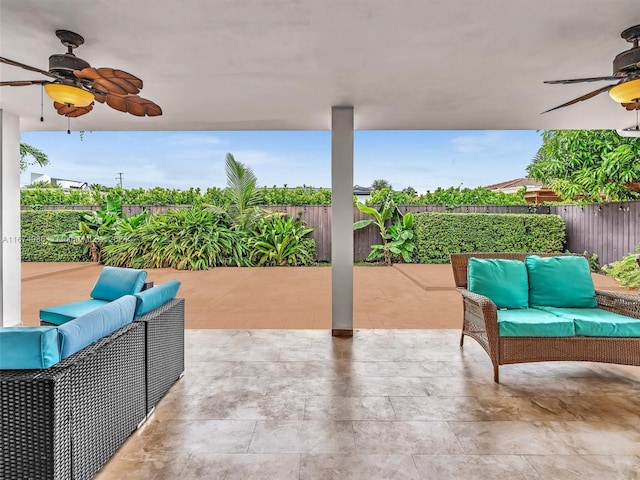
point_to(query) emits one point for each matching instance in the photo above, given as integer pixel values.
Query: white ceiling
(282, 64)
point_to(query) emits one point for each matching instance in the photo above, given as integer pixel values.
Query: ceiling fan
(626, 74)
(74, 84)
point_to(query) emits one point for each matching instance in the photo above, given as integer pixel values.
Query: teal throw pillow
(116, 282)
(563, 281)
(505, 282)
(154, 297)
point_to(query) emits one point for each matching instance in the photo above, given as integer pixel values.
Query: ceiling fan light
(68, 94)
(627, 92)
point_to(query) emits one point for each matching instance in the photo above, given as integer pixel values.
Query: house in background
(61, 182)
(362, 193)
(536, 192)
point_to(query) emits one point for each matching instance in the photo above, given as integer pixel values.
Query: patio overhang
(283, 65)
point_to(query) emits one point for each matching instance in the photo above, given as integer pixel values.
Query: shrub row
(37, 225)
(167, 196)
(439, 234)
(270, 196)
(436, 235)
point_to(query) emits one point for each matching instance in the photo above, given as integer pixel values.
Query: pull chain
(42, 103)
(69, 125)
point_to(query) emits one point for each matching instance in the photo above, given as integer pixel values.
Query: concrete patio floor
(403, 296)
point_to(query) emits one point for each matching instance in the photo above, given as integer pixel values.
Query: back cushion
(152, 298)
(560, 282)
(115, 282)
(77, 334)
(505, 282)
(27, 348)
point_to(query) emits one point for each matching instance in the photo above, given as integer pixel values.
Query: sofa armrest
(621, 303)
(480, 311)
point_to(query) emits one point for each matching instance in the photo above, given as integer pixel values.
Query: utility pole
(119, 178)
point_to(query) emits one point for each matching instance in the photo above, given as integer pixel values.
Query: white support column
(342, 221)
(10, 274)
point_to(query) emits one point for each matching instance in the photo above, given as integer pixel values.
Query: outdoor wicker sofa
(65, 422)
(164, 349)
(480, 322)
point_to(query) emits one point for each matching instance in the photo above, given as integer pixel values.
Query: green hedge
(439, 234)
(37, 225)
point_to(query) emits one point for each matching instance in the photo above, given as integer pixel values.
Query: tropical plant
(185, 239)
(388, 211)
(279, 240)
(588, 165)
(449, 196)
(97, 228)
(626, 271)
(401, 236)
(594, 261)
(38, 157)
(244, 196)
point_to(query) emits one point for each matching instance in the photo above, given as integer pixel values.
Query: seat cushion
(83, 331)
(115, 282)
(154, 297)
(563, 281)
(505, 282)
(28, 348)
(63, 313)
(595, 322)
(530, 322)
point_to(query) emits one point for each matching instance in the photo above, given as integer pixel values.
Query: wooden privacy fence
(609, 230)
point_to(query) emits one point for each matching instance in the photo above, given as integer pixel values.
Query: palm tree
(243, 193)
(39, 157)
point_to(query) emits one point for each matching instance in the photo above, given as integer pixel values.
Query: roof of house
(517, 182)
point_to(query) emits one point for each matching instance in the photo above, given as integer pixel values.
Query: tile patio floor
(389, 403)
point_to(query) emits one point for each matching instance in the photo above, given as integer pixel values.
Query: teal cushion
(115, 282)
(505, 282)
(560, 282)
(154, 297)
(529, 322)
(28, 348)
(63, 313)
(77, 334)
(595, 322)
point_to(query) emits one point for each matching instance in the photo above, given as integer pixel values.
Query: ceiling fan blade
(583, 97)
(109, 80)
(609, 78)
(141, 106)
(133, 104)
(631, 106)
(27, 67)
(116, 102)
(121, 77)
(23, 83)
(70, 110)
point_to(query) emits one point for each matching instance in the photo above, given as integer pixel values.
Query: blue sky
(424, 160)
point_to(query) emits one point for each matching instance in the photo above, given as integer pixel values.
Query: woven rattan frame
(164, 331)
(480, 322)
(65, 422)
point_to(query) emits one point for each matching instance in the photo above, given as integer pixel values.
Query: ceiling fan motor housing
(627, 62)
(66, 63)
